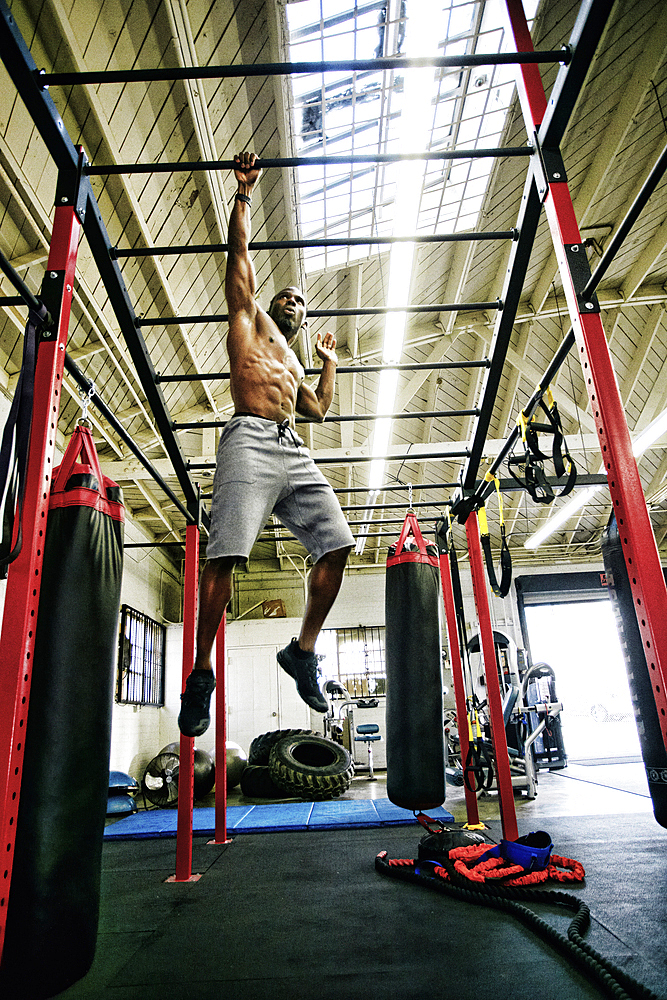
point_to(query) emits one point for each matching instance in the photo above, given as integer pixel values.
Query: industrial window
(140, 659)
(356, 658)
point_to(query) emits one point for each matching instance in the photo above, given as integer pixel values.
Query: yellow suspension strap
(532, 476)
(499, 589)
(478, 770)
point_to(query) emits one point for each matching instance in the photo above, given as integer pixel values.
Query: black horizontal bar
(151, 545)
(290, 69)
(26, 297)
(343, 370)
(340, 419)
(349, 459)
(85, 383)
(12, 300)
(313, 313)
(342, 241)
(396, 506)
(180, 166)
(398, 486)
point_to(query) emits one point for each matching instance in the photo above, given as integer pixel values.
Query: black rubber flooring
(305, 916)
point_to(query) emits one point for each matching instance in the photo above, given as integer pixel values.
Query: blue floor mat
(273, 818)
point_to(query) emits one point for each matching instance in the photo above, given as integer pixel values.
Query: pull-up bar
(343, 370)
(319, 313)
(562, 55)
(347, 459)
(339, 419)
(334, 241)
(189, 166)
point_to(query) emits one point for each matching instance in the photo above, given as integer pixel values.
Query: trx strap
(478, 766)
(532, 475)
(478, 770)
(499, 589)
(15, 445)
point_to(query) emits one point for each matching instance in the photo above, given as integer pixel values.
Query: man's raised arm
(240, 281)
(314, 403)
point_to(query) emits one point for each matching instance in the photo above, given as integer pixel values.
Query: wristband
(244, 198)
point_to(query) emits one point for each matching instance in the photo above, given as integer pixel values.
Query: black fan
(160, 781)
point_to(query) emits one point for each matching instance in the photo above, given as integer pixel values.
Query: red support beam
(498, 735)
(221, 737)
(457, 677)
(186, 769)
(629, 504)
(17, 641)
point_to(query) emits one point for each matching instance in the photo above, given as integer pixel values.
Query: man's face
(288, 311)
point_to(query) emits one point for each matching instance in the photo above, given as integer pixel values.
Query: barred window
(140, 659)
(356, 658)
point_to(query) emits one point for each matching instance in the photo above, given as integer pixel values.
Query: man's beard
(286, 324)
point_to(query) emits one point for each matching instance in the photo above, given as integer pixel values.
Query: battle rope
(447, 877)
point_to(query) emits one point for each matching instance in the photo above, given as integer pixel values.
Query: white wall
(151, 585)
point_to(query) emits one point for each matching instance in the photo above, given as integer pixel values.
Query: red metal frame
(498, 735)
(629, 504)
(457, 677)
(17, 641)
(221, 737)
(186, 768)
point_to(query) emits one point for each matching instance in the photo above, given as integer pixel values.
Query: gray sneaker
(194, 718)
(304, 671)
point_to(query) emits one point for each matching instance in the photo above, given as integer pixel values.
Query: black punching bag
(415, 730)
(54, 899)
(641, 692)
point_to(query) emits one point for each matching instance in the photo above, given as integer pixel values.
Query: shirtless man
(262, 466)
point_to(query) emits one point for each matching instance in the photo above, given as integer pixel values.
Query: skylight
(414, 110)
(345, 112)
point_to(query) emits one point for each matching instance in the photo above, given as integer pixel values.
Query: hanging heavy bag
(637, 669)
(54, 899)
(415, 730)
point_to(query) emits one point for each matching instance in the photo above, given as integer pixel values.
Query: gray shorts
(263, 468)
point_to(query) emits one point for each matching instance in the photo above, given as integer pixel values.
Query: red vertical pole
(17, 641)
(457, 676)
(186, 767)
(502, 760)
(640, 550)
(220, 737)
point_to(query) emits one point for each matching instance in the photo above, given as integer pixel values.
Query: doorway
(579, 640)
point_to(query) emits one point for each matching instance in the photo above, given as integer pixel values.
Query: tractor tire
(260, 748)
(257, 783)
(311, 767)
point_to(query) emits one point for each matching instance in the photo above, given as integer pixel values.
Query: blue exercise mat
(273, 817)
